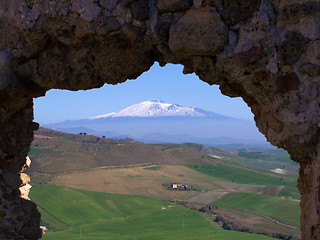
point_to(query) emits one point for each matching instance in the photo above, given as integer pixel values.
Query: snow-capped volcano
(156, 108)
(157, 121)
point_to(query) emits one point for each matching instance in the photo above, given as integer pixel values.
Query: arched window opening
(100, 169)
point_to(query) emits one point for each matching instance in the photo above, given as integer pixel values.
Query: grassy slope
(55, 152)
(72, 207)
(186, 152)
(35, 151)
(284, 206)
(266, 160)
(143, 181)
(284, 210)
(161, 224)
(234, 174)
(75, 158)
(109, 216)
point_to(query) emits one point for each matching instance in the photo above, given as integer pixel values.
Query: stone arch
(266, 51)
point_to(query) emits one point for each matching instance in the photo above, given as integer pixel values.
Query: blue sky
(164, 83)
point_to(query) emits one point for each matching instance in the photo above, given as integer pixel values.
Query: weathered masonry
(266, 51)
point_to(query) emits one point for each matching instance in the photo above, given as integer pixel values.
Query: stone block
(2, 213)
(252, 55)
(127, 2)
(263, 78)
(12, 180)
(288, 82)
(109, 4)
(292, 48)
(316, 48)
(292, 13)
(238, 10)
(286, 68)
(199, 32)
(31, 232)
(111, 24)
(24, 178)
(173, 5)
(24, 191)
(3, 162)
(88, 10)
(310, 69)
(140, 10)
(27, 164)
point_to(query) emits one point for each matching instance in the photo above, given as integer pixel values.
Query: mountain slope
(53, 152)
(171, 122)
(158, 108)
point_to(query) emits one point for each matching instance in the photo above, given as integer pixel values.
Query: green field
(279, 208)
(263, 160)
(35, 151)
(243, 176)
(146, 181)
(236, 175)
(92, 215)
(113, 189)
(139, 180)
(68, 207)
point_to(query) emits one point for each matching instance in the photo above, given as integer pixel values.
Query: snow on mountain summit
(155, 108)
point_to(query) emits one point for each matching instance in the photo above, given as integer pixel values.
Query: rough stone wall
(266, 51)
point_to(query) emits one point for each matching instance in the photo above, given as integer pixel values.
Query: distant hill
(157, 122)
(55, 152)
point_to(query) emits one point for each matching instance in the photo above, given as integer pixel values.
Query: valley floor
(82, 214)
(94, 188)
(245, 207)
